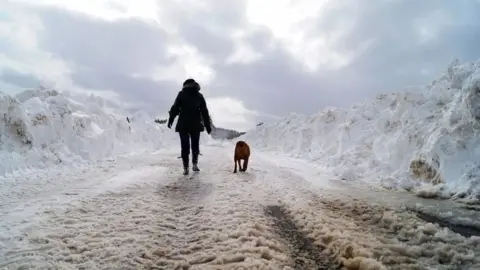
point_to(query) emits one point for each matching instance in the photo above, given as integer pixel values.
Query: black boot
(195, 162)
(185, 165)
(195, 168)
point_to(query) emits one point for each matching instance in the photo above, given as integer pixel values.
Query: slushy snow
(216, 220)
(424, 139)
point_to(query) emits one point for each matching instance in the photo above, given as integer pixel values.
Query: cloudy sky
(255, 59)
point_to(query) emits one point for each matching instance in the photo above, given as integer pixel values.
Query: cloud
(230, 113)
(261, 57)
(13, 77)
(405, 37)
(20, 32)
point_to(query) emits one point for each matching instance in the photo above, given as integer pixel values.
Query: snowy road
(140, 213)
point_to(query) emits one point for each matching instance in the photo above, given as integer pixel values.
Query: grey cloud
(125, 46)
(133, 89)
(216, 15)
(273, 85)
(210, 44)
(466, 40)
(21, 80)
(106, 55)
(209, 29)
(397, 56)
(395, 59)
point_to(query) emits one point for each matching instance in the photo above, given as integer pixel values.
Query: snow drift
(424, 139)
(39, 128)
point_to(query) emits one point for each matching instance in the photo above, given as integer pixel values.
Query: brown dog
(242, 151)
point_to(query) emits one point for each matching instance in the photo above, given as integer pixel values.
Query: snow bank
(424, 139)
(39, 128)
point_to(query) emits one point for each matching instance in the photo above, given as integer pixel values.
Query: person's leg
(195, 136)
(185, 144)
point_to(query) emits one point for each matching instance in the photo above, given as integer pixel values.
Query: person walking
(193, 118)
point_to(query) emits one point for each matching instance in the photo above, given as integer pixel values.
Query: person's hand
(169, 125)
(209, 129)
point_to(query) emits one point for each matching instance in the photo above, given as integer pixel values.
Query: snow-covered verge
(424, 139)
(39, 128)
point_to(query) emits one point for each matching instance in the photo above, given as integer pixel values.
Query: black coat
(192, 110)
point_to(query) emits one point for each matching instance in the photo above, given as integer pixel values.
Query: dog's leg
(235, 161)
(245, 164)
(240, 167)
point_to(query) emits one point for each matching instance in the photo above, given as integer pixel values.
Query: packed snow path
(140, 213)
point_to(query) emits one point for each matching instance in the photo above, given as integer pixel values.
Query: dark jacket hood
(191, 87)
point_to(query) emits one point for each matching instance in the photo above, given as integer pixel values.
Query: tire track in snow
(304, 252)
(362, 229)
